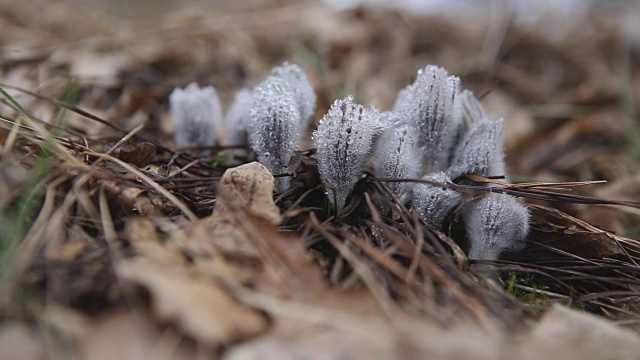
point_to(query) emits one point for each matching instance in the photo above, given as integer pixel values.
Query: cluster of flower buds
(272, 116)
(456, 138)
(435, 131)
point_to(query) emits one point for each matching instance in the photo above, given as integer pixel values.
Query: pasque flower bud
(196, 114)
(344, 141)
(280, 108)
(495, 223)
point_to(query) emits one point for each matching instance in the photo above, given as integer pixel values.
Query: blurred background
(563, 74)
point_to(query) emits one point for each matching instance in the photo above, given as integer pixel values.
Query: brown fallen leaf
(197, 305)
(314, 332)
(131, 199)
(140, 156)
(123, 334)
(223, 238)
(564, 333)
(564, 232)
(131, 336)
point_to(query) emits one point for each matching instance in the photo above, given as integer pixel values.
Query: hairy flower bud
(305, 97)
(196, 114)
(480, 148)
(275, 126)
(435, 203)
(495, 223)
(396, 156)
(237, 119)
(280, 108)
(428, 106)
(344, 141)
(470, 107)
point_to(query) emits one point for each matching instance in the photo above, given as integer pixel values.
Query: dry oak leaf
(199, 306)
(127, 335)
(564, 333)
(140, 156)
(243, 190)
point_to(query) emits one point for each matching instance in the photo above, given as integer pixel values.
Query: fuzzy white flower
(480, 148)
(196, 114)
(428, 106)
(305, 96)
(435, 203)
(396, 155)
(344, 141)
(275, 126)
(495, 223)
(237, 119)
(280, 108)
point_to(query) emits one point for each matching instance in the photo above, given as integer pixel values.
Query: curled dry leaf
(140, 156)
(220, 248)
(228, 244)
(564, 232)
(197, 305)
(132, 199)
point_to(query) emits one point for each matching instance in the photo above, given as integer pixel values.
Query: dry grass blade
(63, 104)
(585, 266)
(525, 190)
(12, 137)
(412, 260)
(177, 202)
(42, 131)
(365, 273)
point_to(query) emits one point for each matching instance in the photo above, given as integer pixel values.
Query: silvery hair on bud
(196, 114)
(495, 223)
(480, 148)
(344, 141)
(396, 155)
(435, 202)
(236, 120)
(305, 96)
(280, 107)
(428, 106)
